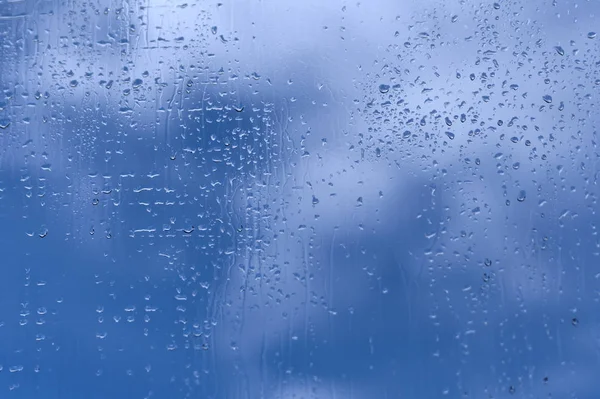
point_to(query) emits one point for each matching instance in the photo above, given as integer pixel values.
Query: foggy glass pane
(275, 199)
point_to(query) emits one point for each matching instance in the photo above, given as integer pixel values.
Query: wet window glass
(299, 199)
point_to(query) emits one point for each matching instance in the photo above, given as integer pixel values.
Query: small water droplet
(559, 50)
(454, 18)
(450, 135)
(522, 196)
(496, 6)
(575, 321)
(137, 83)
(591, 35)
(547, 98)
(95, 201)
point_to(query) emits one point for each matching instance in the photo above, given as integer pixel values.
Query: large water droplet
(383, 88)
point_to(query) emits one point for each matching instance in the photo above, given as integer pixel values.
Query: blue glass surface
(299, 199)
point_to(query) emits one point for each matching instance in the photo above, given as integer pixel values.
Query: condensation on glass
(299, 199)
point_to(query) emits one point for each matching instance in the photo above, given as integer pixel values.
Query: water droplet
(547, 98)
(315, 200)
(496, 6)
(487, 262)
(448, 121)
(95, 201)
(559, 50)
(575, 321)
(450, 135)
(213, 30)
(454, 18)
(383, 88)
(522, 196)
(591, 35)
(73, 83)
(137, 83)
(4, 123)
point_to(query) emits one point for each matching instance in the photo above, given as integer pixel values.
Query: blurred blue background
(278, 199)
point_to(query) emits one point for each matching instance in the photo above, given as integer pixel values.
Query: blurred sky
(316, 199)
